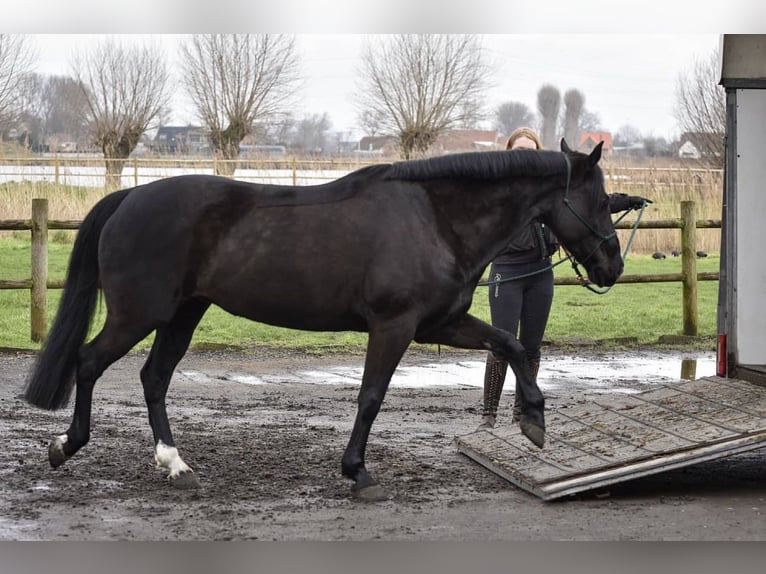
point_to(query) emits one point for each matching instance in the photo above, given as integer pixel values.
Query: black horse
(394, 250)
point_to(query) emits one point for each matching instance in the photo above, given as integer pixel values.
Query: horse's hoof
(184, 481)
(56, 454)
(533, 432)
(371, 493)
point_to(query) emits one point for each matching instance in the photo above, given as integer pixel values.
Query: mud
(266, 446)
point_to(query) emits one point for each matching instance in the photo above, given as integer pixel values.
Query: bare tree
(52, 105)
(125, 88)
(235, 80)
(29, 124)
(276, 130)
(627, 135)
(589, 121)
(548, 104)
(574, 104)
(512, 115)
(700, 107)
(311, 134)
(371, 121)
(421, 85)
(17, 58)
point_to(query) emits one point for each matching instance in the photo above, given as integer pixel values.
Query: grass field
(640, 311)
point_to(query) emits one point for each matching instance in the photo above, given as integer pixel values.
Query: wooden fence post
(39, 290)
(689, 267)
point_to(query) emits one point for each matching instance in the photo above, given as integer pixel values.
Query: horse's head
(583, 223)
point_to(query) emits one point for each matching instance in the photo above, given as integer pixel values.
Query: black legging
(522, 306)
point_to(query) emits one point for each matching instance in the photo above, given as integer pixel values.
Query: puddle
(612, 374)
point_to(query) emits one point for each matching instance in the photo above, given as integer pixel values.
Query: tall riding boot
(494, 377)
(534, 366)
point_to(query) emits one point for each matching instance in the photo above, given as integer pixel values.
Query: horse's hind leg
(169, 347)
(112, 343)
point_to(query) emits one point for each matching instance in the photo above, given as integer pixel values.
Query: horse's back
(281, 260)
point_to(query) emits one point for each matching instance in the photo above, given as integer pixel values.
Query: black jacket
(537, 242)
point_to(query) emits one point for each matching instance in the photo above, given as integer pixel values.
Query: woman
(521, 305)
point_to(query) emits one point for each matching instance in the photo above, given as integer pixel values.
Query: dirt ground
(268, 457)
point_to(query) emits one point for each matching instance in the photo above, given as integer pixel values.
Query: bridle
(584, 221)
(584, 281)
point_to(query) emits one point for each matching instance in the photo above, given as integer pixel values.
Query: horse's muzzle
(606, 276)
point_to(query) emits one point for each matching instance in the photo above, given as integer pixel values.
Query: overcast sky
(625, 56)
(626, 79)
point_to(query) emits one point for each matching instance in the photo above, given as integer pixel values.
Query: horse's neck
(482, 219)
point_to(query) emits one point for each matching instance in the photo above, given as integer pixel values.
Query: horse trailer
(742, 287)
(613, 439)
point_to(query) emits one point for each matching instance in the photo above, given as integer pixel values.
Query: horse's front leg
(387, 343)
(468, 332)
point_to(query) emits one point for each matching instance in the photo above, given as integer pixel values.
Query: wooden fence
(688, 223)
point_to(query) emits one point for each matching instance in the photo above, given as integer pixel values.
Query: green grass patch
(643, 312)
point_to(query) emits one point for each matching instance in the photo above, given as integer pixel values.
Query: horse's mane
(487, 166)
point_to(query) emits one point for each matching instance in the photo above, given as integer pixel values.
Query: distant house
(180, 140)
(633, 150)
(377, 146)
(689, 151)
(589, 140)
(468, 140)
(61, 143)
(697, 145)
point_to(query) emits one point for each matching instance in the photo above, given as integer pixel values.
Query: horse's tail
(54, 373)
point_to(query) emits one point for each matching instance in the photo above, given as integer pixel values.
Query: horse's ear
(595, 155)
(565, 146)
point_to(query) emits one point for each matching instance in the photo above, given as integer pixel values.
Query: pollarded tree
(548, 104)
(236, 80)
(17, 58)
(574, 105)
(125, 88)
(701, 106)
(421, 85)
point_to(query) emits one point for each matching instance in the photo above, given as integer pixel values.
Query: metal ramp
(616, 438)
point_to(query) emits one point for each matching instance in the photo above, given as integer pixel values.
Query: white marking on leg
(167, 457)
(56, 454)
(58, 444)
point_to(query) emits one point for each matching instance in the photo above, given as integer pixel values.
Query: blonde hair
(524, 132)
